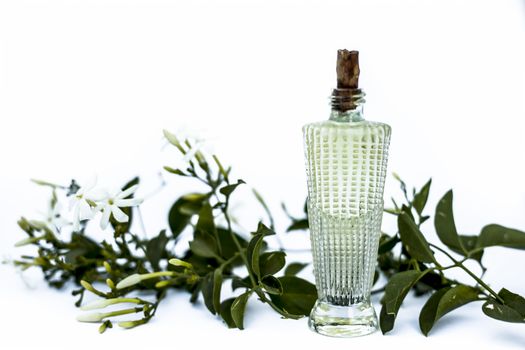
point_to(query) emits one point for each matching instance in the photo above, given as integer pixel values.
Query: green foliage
(443, 301)
(141, 265)
(415, 243)
(125, 265)
(418, 269)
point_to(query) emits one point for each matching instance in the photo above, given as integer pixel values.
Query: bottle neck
(347, 105)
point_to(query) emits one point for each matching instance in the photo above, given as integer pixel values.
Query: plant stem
(122, 312)
(470, 273)
(377, 291)
(232, 259)
(236, 242)
(265, 299)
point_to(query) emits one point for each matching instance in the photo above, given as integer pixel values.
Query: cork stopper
(347, 69)
(347, 95)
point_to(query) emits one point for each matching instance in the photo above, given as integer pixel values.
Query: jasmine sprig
(124, 265)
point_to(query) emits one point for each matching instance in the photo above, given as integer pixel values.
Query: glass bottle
(346, 161)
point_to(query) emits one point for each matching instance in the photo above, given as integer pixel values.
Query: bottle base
(343, 321)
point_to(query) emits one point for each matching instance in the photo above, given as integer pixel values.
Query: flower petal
(104, 221)
(59, 222)
(97, 194)
(191, 153)
(127, 192)
(72, 202)
(131, 202)
(118, 214)
(89, 184)
(76, 218)
(85, 210)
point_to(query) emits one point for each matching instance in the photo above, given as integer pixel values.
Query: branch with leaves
(131, 274)
(129, 264)
(417, 267)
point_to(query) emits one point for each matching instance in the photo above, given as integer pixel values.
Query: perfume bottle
(346, 160)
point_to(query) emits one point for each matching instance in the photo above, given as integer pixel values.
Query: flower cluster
(89, 200)
(85, 202)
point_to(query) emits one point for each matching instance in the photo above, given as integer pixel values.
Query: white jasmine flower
(53, 218)
(79, 203)
(112, 205)
(199, 144)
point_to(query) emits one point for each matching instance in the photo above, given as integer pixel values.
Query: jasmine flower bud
(87, 286)
(178, 262)
(136, 278)
(93, 317)
(28, 240)
(110, 284)
(129, 281)
(107, 266)
(102, 303)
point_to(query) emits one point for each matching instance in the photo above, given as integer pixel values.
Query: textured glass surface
(346, 167)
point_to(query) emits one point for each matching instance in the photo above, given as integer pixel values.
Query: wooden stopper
(347, 69)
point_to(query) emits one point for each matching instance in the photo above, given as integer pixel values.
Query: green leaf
(296, 225)
(207, 291)
(387, 243)
(253, 253)
(420, 199)
(455, 297)
(254, 248)
(228, 189)
(263, 230)
(427, 316)
(204, 244)
(183, 209)
(408, 211)
(175, 171)
(445, 225)
(294, 268)
(229, 249)
(497, 235)
(298, 296)
(272, 262)
(217, 286)
(226, 313)
(397, 289)
(222, 171)
(515, 301)
(386, 321)
(492, 308)
(444, 301)
(414, 241)
(469, 244)
(238, 282)
(156, 249)
(272, 285)
(82, 247)
(430, 281)
(238, 308)
(206, 222)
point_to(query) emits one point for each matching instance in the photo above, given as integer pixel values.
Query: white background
(87, 86)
